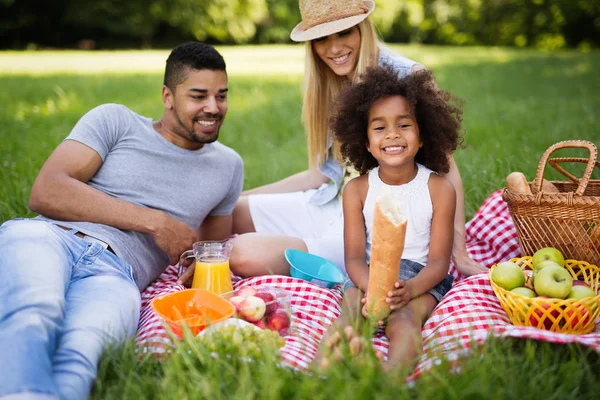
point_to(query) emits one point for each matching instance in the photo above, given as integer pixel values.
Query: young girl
(304, 211)
(397, 133)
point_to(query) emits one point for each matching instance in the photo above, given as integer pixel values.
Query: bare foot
(349, 343)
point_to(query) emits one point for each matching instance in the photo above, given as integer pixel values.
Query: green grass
(517, 103)
(498, 369)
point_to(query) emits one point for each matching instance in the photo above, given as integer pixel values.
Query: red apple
(236, 300)
(246, 291)
(269, 300)
(252, 308)
(278, 321)
(538, 315)
(260, 324)
(578, 312)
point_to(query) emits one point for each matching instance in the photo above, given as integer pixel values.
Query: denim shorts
(408, 270)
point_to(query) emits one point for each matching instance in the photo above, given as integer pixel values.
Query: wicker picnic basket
(568, 220)
(576, 316)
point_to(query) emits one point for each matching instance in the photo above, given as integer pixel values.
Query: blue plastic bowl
(313, 269)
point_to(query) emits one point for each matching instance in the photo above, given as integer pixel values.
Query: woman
(304, 211)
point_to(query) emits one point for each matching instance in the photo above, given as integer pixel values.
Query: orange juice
(213, 274)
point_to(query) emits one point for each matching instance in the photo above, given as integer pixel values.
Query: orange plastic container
(196, 308)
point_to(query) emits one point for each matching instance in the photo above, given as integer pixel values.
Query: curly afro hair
(438, 118)
(194, 55)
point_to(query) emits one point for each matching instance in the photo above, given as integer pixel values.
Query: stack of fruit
(547, 292)
(266, 308)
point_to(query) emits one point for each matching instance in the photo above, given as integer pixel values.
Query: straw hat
(325, 17)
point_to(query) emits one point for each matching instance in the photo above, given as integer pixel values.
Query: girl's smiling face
(393, 132)
(339, 51)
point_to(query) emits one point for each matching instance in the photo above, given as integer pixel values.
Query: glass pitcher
(212, 270)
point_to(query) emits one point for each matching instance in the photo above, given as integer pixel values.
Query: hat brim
(329, 28)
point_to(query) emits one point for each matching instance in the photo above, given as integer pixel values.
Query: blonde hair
(321, 88)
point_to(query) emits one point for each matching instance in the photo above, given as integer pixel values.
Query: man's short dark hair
(191, 55)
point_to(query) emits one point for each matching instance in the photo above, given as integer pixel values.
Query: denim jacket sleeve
(334, 171)
(401, 64)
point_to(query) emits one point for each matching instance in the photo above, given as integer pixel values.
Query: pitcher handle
(183, 263)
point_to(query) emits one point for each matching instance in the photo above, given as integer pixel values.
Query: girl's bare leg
(404, 332)
(348, 324)
(256, 254)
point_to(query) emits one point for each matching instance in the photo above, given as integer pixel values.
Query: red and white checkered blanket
(467, 315)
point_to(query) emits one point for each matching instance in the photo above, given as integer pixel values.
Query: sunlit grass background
(517, 104)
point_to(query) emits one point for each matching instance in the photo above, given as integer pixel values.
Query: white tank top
(416, 206)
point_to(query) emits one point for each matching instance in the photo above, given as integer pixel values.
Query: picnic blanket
(466, 316)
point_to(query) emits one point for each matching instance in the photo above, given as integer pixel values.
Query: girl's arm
(463, 262)
(309, 179)
(354, 232)
(443, 198)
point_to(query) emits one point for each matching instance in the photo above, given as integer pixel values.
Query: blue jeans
(62, 300)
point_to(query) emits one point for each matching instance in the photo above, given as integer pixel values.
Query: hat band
(363, 10)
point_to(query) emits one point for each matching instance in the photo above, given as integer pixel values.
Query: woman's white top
(416, 207)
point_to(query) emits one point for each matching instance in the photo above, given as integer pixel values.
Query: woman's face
(339, 51)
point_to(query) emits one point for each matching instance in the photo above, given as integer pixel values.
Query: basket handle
(567, 144)
(555, 161)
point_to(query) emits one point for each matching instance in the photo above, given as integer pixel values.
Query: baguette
(549, 187)
(389, 233)
(517, 183)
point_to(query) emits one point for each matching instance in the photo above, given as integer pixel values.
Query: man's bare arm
(60, 191)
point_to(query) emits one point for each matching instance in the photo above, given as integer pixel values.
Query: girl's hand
(365, 313)
(400, 296)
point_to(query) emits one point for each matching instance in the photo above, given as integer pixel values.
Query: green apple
(553, 281)
(540, 266)
(508, 275)
(523, 291)
(548, 253)
(581, 292)
(577, 282)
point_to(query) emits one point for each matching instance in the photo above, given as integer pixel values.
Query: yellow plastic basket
(576, 316)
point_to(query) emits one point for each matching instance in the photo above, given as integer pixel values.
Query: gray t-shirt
(142, 167)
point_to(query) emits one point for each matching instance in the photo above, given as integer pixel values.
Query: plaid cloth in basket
(468, 314)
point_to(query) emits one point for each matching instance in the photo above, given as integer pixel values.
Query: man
(121, 198)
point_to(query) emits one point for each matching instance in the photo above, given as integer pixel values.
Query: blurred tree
(227, 21)
(132, 18)
(282, 17)
(545, 24)
(21, 22)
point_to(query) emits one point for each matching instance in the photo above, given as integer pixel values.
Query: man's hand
(173, 236)
(186, 277)
(400, 296)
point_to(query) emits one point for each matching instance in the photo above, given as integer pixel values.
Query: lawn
(517, 104)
